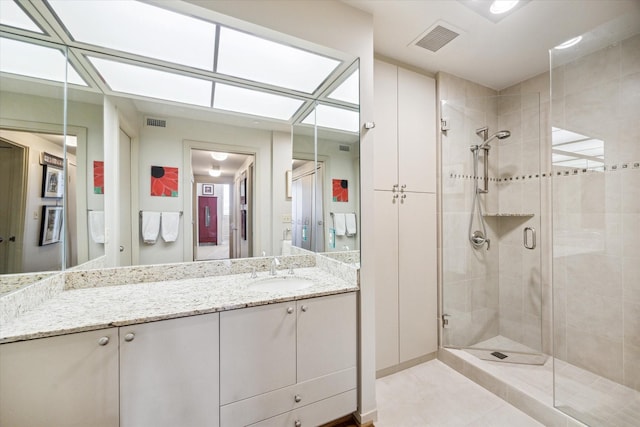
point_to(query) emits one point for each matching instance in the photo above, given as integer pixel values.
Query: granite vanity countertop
(103, 307)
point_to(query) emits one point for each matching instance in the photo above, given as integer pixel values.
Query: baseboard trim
(405, 365)
(366, 420)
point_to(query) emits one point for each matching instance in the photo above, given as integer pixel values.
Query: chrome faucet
(275, 262)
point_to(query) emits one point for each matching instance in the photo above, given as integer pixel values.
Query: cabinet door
(417, 276)
(385, 139)
(386, 273)
(416, 132)
(70, 380)
(326, 335)
(257, 350)
(169, 373)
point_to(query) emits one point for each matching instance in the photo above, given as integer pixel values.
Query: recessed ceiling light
(571, 42)
(219, 156)
(215, 171)
(501, 6)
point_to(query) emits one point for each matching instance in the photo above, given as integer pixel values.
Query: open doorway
(221, 207)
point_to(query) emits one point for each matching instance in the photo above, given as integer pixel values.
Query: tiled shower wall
(596, 222)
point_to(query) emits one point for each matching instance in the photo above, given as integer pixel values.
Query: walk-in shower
(478, 238)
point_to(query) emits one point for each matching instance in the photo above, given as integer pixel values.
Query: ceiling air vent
(345, 148)
(159, 123)
(436, 37)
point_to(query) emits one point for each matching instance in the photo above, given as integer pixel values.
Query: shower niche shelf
(508, 215)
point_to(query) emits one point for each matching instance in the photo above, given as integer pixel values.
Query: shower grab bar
(526, 238)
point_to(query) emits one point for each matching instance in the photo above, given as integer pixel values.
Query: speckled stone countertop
(88, 309)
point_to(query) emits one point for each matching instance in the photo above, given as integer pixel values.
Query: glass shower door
(491, 205)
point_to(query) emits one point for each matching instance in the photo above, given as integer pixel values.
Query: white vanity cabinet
(291, 363)
(69, 380)
(169, 373)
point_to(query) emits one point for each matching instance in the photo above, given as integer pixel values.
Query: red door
(208, 220)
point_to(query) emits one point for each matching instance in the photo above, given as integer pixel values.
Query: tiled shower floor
(580, 393)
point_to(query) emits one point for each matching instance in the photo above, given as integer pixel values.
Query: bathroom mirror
(256, 228)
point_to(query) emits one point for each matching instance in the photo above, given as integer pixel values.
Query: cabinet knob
(297, 398)
(290, 310)
(304, 308)
(129, 337)
(298, 423)
(103, 341)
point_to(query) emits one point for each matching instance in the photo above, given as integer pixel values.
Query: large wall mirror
(174, 138)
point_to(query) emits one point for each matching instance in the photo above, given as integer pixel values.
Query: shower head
(502, 134)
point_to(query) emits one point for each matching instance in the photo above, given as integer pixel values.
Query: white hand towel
(150, 227)
(350, 224)
(339, 224)
(170, 226)
(96, 226)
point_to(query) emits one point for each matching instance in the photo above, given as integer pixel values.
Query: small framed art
(51, 226)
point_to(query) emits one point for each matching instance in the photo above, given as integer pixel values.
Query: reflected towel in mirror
(350, 224)
(150, 227)
(96, 226)
(170, 225)
(339, 224)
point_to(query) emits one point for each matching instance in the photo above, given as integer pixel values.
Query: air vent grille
(435, 39)
(159, 123)
(345, 148)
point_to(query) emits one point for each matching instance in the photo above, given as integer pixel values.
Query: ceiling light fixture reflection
(348, 90)
(499, 7)
(221, 157)
(139, 28)
(152, 83)
(571, 42)
(253, 58)
(215, 171)
(334, 118)
(12, 15)
(32, 60)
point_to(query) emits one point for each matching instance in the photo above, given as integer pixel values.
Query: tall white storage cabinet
(405, 215)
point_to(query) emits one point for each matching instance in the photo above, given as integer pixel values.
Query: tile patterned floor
(432, 394)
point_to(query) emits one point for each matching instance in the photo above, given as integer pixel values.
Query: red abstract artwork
(340, 190)
(164, 181)
(98, 177)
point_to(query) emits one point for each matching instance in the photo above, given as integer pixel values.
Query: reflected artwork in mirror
(130, 106)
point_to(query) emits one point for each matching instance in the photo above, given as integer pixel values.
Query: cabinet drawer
(315, 414)
(277, 402)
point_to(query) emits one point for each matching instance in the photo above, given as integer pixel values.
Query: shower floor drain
(499, 355)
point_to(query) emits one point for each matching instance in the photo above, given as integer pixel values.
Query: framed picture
(51, 226)
(243, 191)
(207, 189)
(52, 182)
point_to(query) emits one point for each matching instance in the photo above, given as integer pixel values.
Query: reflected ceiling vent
(158, 123)
(437, 36)
(345, 148)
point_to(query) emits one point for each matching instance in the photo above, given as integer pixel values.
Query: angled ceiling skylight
(148, 82)
(349, 90)
(139, 28)
(32, 60)
(259, 60)
(334, 118)
(574, 150)
(12, 15)
(248, 101)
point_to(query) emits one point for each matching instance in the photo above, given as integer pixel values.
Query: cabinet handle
(403, 187)
(304, 308)
(298, 398)
(298, 423)
(129, 337)
(394, 188)
(103, 341)
(290, 310)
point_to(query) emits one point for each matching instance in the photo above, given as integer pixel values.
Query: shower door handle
(529, 231)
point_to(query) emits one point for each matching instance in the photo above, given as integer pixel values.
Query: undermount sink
(281, 283)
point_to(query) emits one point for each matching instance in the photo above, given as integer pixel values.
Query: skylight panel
(32, 60)
(148, 82)
(248, 101)
(349, 90)
(334, 118)
(12, 15)
(253, 58)
(141, 29)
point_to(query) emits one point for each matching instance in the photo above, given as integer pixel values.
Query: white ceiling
(494, 55)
